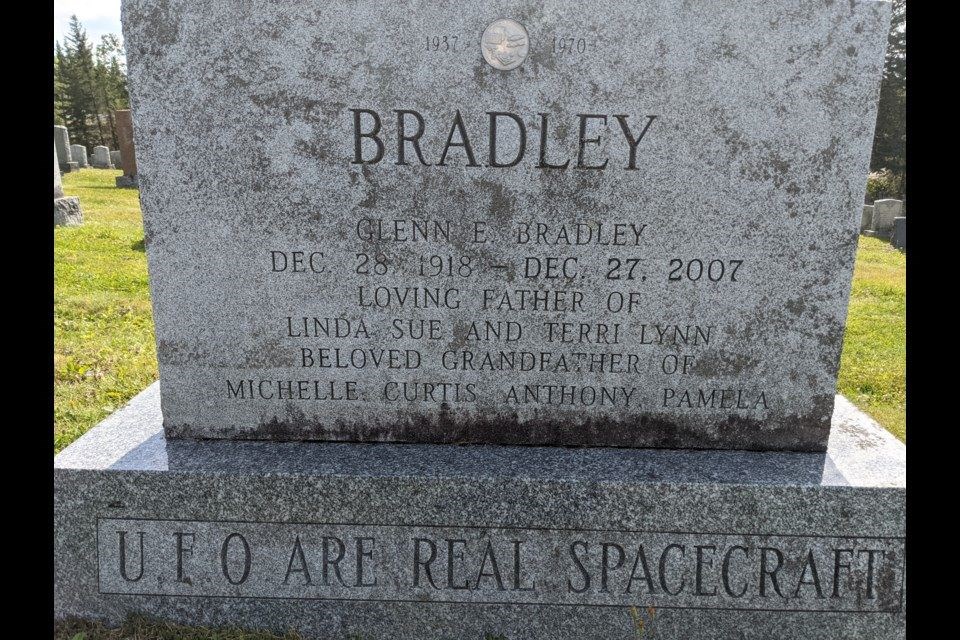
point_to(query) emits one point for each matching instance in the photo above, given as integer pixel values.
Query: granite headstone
(589, 236)
(79, 154)
(866, 219)
(116, 159)
(884, 212)
(899, 239)
(101, 158)
(66, 209)
(61, 142)
(127, 156)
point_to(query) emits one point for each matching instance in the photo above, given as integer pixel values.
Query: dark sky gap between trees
(90, 82)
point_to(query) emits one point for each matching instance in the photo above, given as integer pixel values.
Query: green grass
(873, 364)
(104, 351)
(103, 327)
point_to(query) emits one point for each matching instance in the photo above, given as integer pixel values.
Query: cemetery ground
(104, 349)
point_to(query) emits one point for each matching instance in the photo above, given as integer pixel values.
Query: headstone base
(421, 542)
(127, 182)
(67, 212)
(67, 167)
(102, 166)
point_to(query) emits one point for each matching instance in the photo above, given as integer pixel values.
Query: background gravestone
(116, 158)
(594, 276)
(66, 210)
(125, 134)
(79, 154)
(899, 239)
(61, 141)
(101, 158)
(866, 220)
(884, 212)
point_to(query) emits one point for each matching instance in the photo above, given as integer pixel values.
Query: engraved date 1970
(572, 45)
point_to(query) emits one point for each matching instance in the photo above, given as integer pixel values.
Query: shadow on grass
(139, 245)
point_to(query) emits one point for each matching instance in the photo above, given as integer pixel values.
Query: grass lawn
(874, 362)
(104, 350)
(103, 327)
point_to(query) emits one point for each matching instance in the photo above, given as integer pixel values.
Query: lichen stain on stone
(790, 433)
(269, 354)
(169, 352)
(795, 306)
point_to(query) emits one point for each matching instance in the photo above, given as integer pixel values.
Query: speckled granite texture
(694, 290)
(423, 542)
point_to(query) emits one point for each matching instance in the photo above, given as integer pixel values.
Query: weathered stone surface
(127, 154)
(866, 219)
(101, 158)
(884, 211)
(117, 159)
(66, 210)
(79, 154)
(57, 181)
(811, 544)
(61, 140)
(692, 293)
(899, 239)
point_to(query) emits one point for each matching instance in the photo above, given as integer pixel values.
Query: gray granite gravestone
(101, 158)
(866, 219)
(66, 209)
(899, 239)
(884, 212)
(79, 154)
(116, 158)
(61, 142)
(534, 223)
(124, 120)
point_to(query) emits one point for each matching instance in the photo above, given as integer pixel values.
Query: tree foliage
(890, 138)
(90, 82)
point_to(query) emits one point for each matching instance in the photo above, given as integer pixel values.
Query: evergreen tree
(890, 138)
(79, 95)
(111, 82)
(58, 85)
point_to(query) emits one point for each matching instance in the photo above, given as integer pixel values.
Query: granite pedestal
(424, 541)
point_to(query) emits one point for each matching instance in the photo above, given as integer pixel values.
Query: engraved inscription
(423, 563)
(505, 44)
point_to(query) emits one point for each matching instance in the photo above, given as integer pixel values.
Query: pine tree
(79, 95)
(890, 138)
(59, 64)
(111, 83)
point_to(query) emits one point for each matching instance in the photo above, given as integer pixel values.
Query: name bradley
(410, 143)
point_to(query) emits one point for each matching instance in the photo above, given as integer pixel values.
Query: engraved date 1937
(444, 43)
